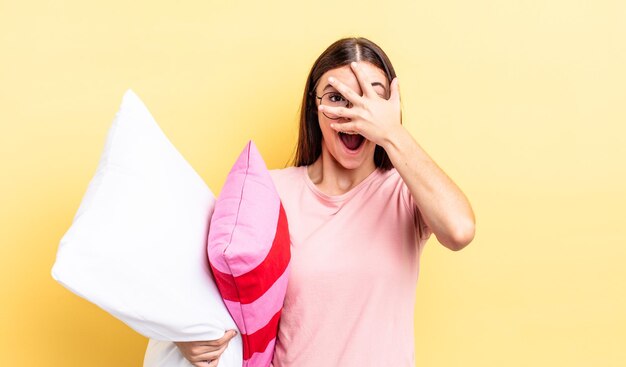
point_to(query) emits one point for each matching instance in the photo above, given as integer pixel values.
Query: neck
(334, 179)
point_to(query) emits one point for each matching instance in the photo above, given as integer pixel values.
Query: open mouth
(352, 141)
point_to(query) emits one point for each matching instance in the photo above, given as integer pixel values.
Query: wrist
(394, 138)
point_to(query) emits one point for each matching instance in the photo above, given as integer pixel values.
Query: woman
(362, 199)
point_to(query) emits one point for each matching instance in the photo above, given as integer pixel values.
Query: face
(354, 151)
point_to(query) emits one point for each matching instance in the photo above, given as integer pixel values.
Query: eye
(336, 97)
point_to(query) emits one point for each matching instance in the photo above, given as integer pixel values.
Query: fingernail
(353, 63)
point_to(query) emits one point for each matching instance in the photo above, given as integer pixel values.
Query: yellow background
(520, 102)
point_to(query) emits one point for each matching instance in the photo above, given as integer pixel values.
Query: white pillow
(137, 245)
(166, 354)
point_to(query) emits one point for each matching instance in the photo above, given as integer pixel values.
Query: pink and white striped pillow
(249, 254)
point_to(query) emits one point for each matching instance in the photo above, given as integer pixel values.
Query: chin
(350, 165)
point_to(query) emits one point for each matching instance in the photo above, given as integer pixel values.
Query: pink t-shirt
(354, 268)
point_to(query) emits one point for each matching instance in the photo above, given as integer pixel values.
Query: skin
(376, 115)
(443, 205)
(205, 353)
(336, 171)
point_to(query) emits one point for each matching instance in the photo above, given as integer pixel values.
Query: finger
(338, 111)
(395, 89)
(203, 343)
(214, 362)
(234, 334)
(212, 354)
(364, 81)
(345, 91)
(346, 127)
(229, 334)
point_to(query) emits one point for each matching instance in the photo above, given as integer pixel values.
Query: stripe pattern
(249, 255)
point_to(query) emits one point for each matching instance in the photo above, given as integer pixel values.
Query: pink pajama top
(354, 269)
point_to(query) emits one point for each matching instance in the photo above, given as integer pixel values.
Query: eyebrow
(373, 85)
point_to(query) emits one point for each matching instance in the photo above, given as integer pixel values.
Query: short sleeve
(422, 229)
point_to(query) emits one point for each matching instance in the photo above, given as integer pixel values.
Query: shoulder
(390, 179)
(388, 175)
(288, 183)
(282, 174)
(284, 178)
(395, 184)
(423, 230)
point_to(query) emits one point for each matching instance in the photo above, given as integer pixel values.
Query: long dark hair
(340, 53)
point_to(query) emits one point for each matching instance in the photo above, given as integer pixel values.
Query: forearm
(443, 205)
